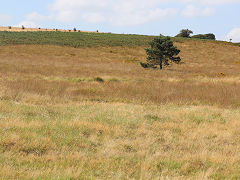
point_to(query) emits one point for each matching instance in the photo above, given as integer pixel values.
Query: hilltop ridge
(83, 39)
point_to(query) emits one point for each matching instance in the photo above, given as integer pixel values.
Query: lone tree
(184, 33)
(161, 51)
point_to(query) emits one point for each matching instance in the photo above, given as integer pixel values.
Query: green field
(73, 39)
(79, 39)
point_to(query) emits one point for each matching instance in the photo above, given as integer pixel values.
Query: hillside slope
(209, 74)
(93, 112)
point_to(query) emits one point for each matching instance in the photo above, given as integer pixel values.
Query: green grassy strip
(73, 39)
(81, 39)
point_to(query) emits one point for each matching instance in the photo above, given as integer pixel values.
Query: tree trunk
(160, 65)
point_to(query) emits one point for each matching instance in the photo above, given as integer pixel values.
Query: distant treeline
(186, 33)
(205, 36)
(85, 39)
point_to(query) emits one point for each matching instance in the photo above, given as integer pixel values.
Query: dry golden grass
(118, 141)
(19, 29)
(209, 75)
(94, 113)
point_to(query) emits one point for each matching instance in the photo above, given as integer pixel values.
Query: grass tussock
(94, 113)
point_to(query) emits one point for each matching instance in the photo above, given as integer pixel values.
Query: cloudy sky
(152, 17)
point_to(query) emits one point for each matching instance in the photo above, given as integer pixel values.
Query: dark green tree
(161, 51)
(209, 36)
(184, 33)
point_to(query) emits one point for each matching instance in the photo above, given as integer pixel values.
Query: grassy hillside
(73, 39)
(80, 39)
(94, 113)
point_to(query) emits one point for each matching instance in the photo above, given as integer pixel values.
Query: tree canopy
(184, 33)
(210, 36)
(160, 52)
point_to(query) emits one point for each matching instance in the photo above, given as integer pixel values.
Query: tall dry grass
(94, 113)
(209, 74)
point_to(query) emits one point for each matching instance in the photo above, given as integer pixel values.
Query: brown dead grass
(94, 113)
(209, 74)
(19, 29)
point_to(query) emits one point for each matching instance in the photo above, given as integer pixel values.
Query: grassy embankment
(93, 112)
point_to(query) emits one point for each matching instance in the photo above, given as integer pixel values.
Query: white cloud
(34, 19)
(94, 17)
(28, 24)
(234, 34)
(115, 12)
(142, 17)
(124, 12)
(212, 2)
(192, 11)
(34, 16)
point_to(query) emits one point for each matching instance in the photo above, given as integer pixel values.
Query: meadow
(73, 39)
(81, 107)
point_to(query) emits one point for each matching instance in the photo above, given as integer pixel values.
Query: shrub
(210, 36)
(74, 29)
(23, 27)
(184, 33)
(205, 36)
(98, 79)
(147, 65)
(9, 27)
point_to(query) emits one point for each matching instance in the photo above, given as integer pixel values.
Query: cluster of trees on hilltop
(186, 33)
(162, 49)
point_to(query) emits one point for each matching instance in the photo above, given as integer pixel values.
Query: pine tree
(161, 51)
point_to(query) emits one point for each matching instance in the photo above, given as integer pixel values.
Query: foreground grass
(118, 141)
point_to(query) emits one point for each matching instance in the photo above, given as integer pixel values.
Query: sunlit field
(88, 110)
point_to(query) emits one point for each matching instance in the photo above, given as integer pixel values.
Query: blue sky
(152, 17)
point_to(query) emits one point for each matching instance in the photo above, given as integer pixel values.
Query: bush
(184, 33)
(205, 36)
(23, 27)
(74, 29)
(147, 65)
(98, 79)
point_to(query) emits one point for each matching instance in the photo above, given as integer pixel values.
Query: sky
(149, 17)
